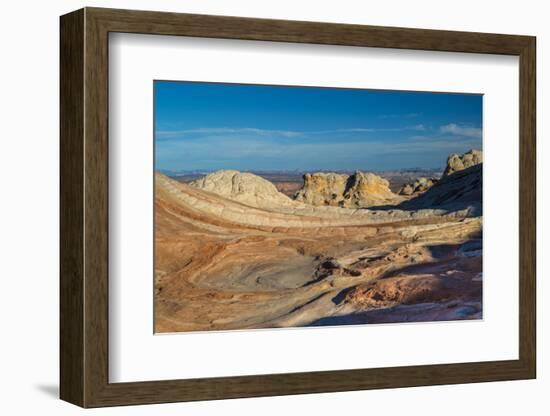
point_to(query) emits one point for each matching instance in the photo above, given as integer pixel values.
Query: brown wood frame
(84, 207)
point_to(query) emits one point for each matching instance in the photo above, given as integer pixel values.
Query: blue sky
(208, 126)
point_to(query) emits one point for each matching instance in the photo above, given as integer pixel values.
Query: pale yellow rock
(359, 190)
(457, 163)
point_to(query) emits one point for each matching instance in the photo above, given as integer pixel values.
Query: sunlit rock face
(359, 190)
(322, 189)
(457, 163)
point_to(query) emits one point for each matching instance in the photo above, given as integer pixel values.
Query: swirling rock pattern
(231, 252)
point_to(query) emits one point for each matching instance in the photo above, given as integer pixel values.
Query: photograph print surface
(288, 206)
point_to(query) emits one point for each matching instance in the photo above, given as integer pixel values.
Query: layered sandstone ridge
(359, 190)
(275, 212)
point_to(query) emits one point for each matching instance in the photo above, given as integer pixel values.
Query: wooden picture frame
(84, 207)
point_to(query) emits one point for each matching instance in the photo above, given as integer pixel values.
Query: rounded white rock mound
(243, 187)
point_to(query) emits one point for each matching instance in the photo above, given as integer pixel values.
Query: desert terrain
(235, 250)
(289, 183)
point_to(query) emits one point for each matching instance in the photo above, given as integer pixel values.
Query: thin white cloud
(253, 153)
(350, 130)
(251, 131)
(417, 127)
(407, 115)
(169, 134)
(254, 147)
(457, 130)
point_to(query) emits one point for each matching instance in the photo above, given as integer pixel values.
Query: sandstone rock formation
(194, 202)
(457, 163)
(459, 190)
(243, 187)
(221, 264)
(322, 189)
(367, 190)
(231, 252)
(417, 187)
(359, 190)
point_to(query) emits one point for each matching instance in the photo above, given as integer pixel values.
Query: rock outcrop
(246, 188)
(417, 187)
(457, 191)
(322, 189)
(457, 163)
(367, 190)
(359, 190)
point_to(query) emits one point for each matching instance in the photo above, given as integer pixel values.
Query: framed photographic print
(255, 207)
